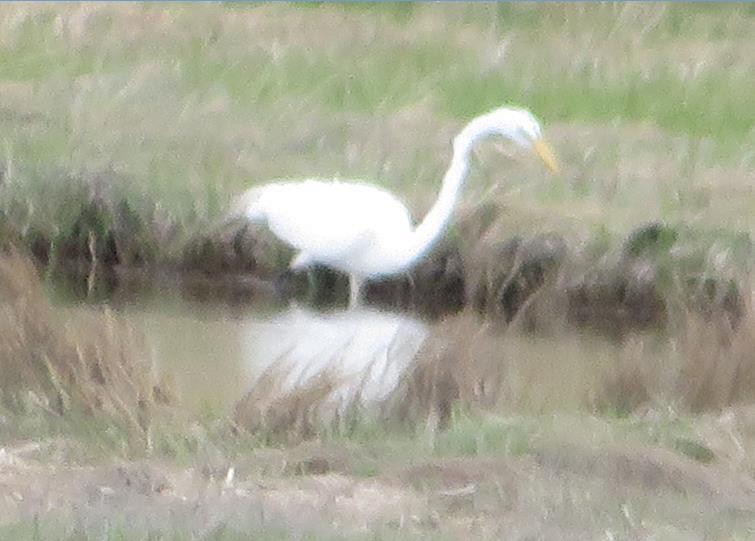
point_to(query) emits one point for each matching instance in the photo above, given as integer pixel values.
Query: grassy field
(128, 128)
(552, 477)
(160, 114)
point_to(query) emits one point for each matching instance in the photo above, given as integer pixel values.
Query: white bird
(365, 231)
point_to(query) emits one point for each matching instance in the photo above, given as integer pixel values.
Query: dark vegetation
(634, 283)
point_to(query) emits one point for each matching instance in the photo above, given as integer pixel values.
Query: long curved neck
(427, 233)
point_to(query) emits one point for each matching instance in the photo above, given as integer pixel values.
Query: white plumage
(364, 230)
(367, 354)
(340, 224)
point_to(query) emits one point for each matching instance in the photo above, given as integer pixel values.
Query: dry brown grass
(93, 364)
(703, 362)
(459, 363)
(290, 416)
(707, 364)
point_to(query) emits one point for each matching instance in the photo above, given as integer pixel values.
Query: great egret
(364, 230)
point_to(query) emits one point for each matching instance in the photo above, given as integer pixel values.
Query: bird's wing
(330, 220)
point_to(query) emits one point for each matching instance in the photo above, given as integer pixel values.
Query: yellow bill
(546, 154)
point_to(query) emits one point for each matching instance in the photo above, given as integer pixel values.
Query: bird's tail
(246, 207)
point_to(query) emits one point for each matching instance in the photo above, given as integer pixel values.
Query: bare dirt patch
(578, 493)
(557, 492)
(151, 496)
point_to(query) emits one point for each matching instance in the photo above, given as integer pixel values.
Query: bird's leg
(355, 290)
(412, 290)
(311, 286)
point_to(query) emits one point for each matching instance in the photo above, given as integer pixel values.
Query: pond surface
(214, 347)
(200, 345)
(215, 352)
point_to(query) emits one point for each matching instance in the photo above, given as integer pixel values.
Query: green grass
(174, 109)
(518, 465)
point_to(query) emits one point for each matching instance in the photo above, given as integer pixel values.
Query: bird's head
(518, 125)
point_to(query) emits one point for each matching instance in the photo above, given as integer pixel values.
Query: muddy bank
(611, 284)
(106, 245)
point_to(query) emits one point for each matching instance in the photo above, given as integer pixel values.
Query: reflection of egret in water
(390, 366)
(310, 370)
(340, 360)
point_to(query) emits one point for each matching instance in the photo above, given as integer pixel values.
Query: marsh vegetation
(575, 361)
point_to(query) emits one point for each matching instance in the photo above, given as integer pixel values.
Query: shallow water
(213, 349)
(200, 345)
(214, 353)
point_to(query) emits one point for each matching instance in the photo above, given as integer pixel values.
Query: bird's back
(328, 219)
